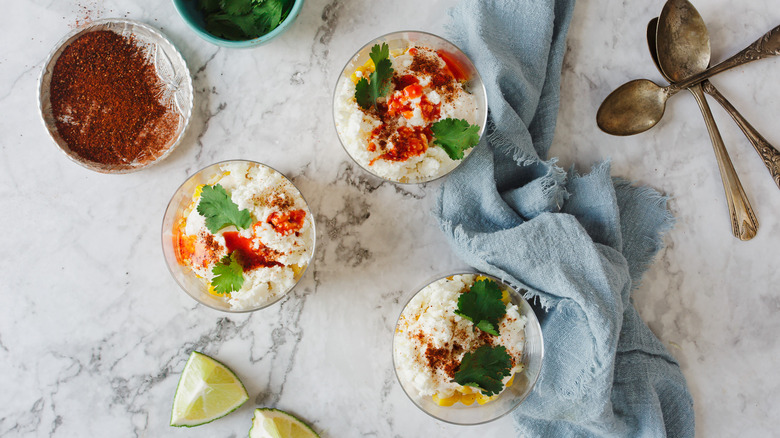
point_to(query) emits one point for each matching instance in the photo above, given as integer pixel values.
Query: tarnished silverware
(683, 50)
(768, 153)
(638, 105)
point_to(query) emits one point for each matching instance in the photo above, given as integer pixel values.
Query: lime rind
(275, 423)
(198, 367)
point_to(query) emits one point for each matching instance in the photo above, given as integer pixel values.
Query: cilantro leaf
(482, 305)
(236, 7)
(209, 5)
(485, 368)
(220, 211)
(228, 275)
(455, 136)
(243, 19)
(269, 14)
(232, 27)
(367, 91)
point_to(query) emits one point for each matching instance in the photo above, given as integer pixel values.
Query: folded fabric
(577, 244)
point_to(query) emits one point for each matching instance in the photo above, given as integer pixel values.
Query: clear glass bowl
(197, 287)
(402, 40)
(511, 397)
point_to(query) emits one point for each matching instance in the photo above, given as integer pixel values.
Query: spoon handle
(768, 153)
(744, 224)
(764, 47)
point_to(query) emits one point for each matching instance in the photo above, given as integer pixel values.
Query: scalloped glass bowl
(189, 12)
(170, 67)
(511, 397)
(196, 287)
(402, 40)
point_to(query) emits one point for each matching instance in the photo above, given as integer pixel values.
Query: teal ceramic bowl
(188, 9)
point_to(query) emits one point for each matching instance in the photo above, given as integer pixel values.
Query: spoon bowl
(682, 42)
(634, 107)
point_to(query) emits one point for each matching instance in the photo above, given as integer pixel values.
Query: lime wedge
(207, 390)
(273, 423)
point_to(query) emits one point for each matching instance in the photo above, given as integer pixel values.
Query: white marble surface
(94, 332)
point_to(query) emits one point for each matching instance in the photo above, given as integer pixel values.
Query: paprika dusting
(106, 99)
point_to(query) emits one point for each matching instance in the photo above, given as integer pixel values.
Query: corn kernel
(482, 399)
(199, 190)
(505, 296)
(297, 270)
(465, 390)
(397, 52)
(449, 401)
(364, 70)
(510, 381)
(468, 399)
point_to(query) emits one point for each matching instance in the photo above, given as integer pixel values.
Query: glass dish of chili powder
(115, 96)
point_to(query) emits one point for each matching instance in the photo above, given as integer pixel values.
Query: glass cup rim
(477, 82)
(532, 319)
(269, 303)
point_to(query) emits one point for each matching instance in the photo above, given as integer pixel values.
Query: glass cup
(511, 396)
(400, 41)
(193, 285)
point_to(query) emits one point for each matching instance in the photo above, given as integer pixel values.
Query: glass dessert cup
(197, 287)
(401, 41)
(511, 397)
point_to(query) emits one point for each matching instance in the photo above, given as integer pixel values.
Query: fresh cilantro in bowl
(241, 20)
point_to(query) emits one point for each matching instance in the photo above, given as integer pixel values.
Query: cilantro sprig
(455, 136)
(220, 211)
(482, 305)
(228, 275)
(367, 91)
(240, 20)
(485, 369)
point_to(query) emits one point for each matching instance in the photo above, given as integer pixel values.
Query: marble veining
(94, 332)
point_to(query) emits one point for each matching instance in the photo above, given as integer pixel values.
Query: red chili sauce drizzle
(287, 222)
(399, 143)
(248, 257)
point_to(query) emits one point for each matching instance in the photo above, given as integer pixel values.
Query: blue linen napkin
(577, 244)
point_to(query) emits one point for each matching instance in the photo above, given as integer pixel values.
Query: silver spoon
(768, 153)
(683, 49)
(638, 105)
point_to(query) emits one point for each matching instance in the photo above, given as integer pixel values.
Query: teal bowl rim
(244, 43)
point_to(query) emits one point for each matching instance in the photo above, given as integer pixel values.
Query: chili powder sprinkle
(412, 141)
(106, 100)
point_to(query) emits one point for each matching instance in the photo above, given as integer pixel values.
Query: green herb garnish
(220, 211)
(482, 305)
(367, 91)
(455, 136)
(240, 20)
(485, 369)
(228, 275)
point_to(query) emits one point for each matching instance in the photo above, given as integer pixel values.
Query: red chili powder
(106, 101)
